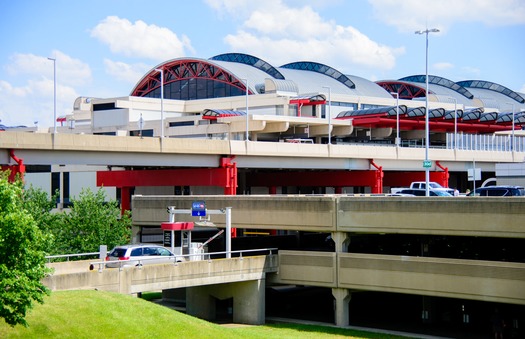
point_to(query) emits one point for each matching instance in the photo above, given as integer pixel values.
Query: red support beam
(224, 176)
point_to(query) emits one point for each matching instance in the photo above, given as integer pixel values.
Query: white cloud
(33, 99)
(522, 90)
(282, 34)
(141, 40)
(411, 15)
(69, 71)
(130, 73)
(235, 8)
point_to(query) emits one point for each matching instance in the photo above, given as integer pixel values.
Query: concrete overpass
(346, 217)
(343, 217)
(100, 150)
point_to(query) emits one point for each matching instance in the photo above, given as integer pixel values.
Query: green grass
(97, 314)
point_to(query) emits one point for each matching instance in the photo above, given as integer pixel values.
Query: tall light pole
(398, 141)
(512, 141)
(54, 94)
(161, 101)
(247, 108)
(455, 122)
(427, 133)
(329, 114)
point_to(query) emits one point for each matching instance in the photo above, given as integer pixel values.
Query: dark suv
(498, 191)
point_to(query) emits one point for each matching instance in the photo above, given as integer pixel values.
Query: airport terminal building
(234, 124)
(239, 97)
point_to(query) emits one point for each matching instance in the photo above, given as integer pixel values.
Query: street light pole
(247, 108)
(398, 141)
(54, 94)
(427, 132)
(161, 102)
(329, 114)
(455, 122)
(512, 144)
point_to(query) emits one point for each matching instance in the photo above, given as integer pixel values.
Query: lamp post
(161, 102)
(427, 169)
(247, 134)
(398, 141)
(54, 94)
(329, 114)
(455, 122)
(512, 141)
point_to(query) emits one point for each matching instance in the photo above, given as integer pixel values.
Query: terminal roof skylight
(323, 69)
(493, 87)
(250, 60)
(432, 79)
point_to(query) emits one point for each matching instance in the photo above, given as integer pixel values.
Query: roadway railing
(50, 258)
(120, 264)
(485, 142)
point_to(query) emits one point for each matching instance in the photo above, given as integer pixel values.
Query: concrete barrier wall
(131, 280)
(467, 279)
(465, 216)
(306, 268)
(458, 216)
(311, 213)
(502, 282)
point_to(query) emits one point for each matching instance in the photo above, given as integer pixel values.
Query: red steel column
(378, 178)
(125, 199)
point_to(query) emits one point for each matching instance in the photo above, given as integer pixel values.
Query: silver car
(140, 254)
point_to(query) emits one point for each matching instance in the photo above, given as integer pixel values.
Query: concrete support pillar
(341, 240)
(342, 308)
(199, 303)
(248, 301)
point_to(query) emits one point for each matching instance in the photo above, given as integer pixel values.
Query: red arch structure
(405, 90)
(183, 69)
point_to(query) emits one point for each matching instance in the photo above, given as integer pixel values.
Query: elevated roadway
(100, 150)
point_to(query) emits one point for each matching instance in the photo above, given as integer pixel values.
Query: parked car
(422, 192)
(421, 185)
(139, 254)
(498, 191)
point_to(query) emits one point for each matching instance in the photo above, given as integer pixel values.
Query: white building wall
(39, 181)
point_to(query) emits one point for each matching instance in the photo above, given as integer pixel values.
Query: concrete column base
(342, 308)
(248, 301)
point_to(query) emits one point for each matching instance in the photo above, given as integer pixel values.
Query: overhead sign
(198, 208)
(427, 163)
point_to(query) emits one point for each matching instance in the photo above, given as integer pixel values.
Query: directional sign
(198, 208)
(427, 163)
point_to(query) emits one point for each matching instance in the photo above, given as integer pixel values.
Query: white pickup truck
(421, 185)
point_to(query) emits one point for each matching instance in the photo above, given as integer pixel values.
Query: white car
(140, 254)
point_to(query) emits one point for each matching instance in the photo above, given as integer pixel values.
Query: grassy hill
(98, 314)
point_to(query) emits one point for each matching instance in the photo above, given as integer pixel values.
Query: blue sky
(103, 47)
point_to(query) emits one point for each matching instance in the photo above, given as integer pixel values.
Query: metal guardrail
(67, 256)
(140, 262)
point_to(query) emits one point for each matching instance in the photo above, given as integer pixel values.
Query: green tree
(91, 222)
(40, 206)
(22, 258)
